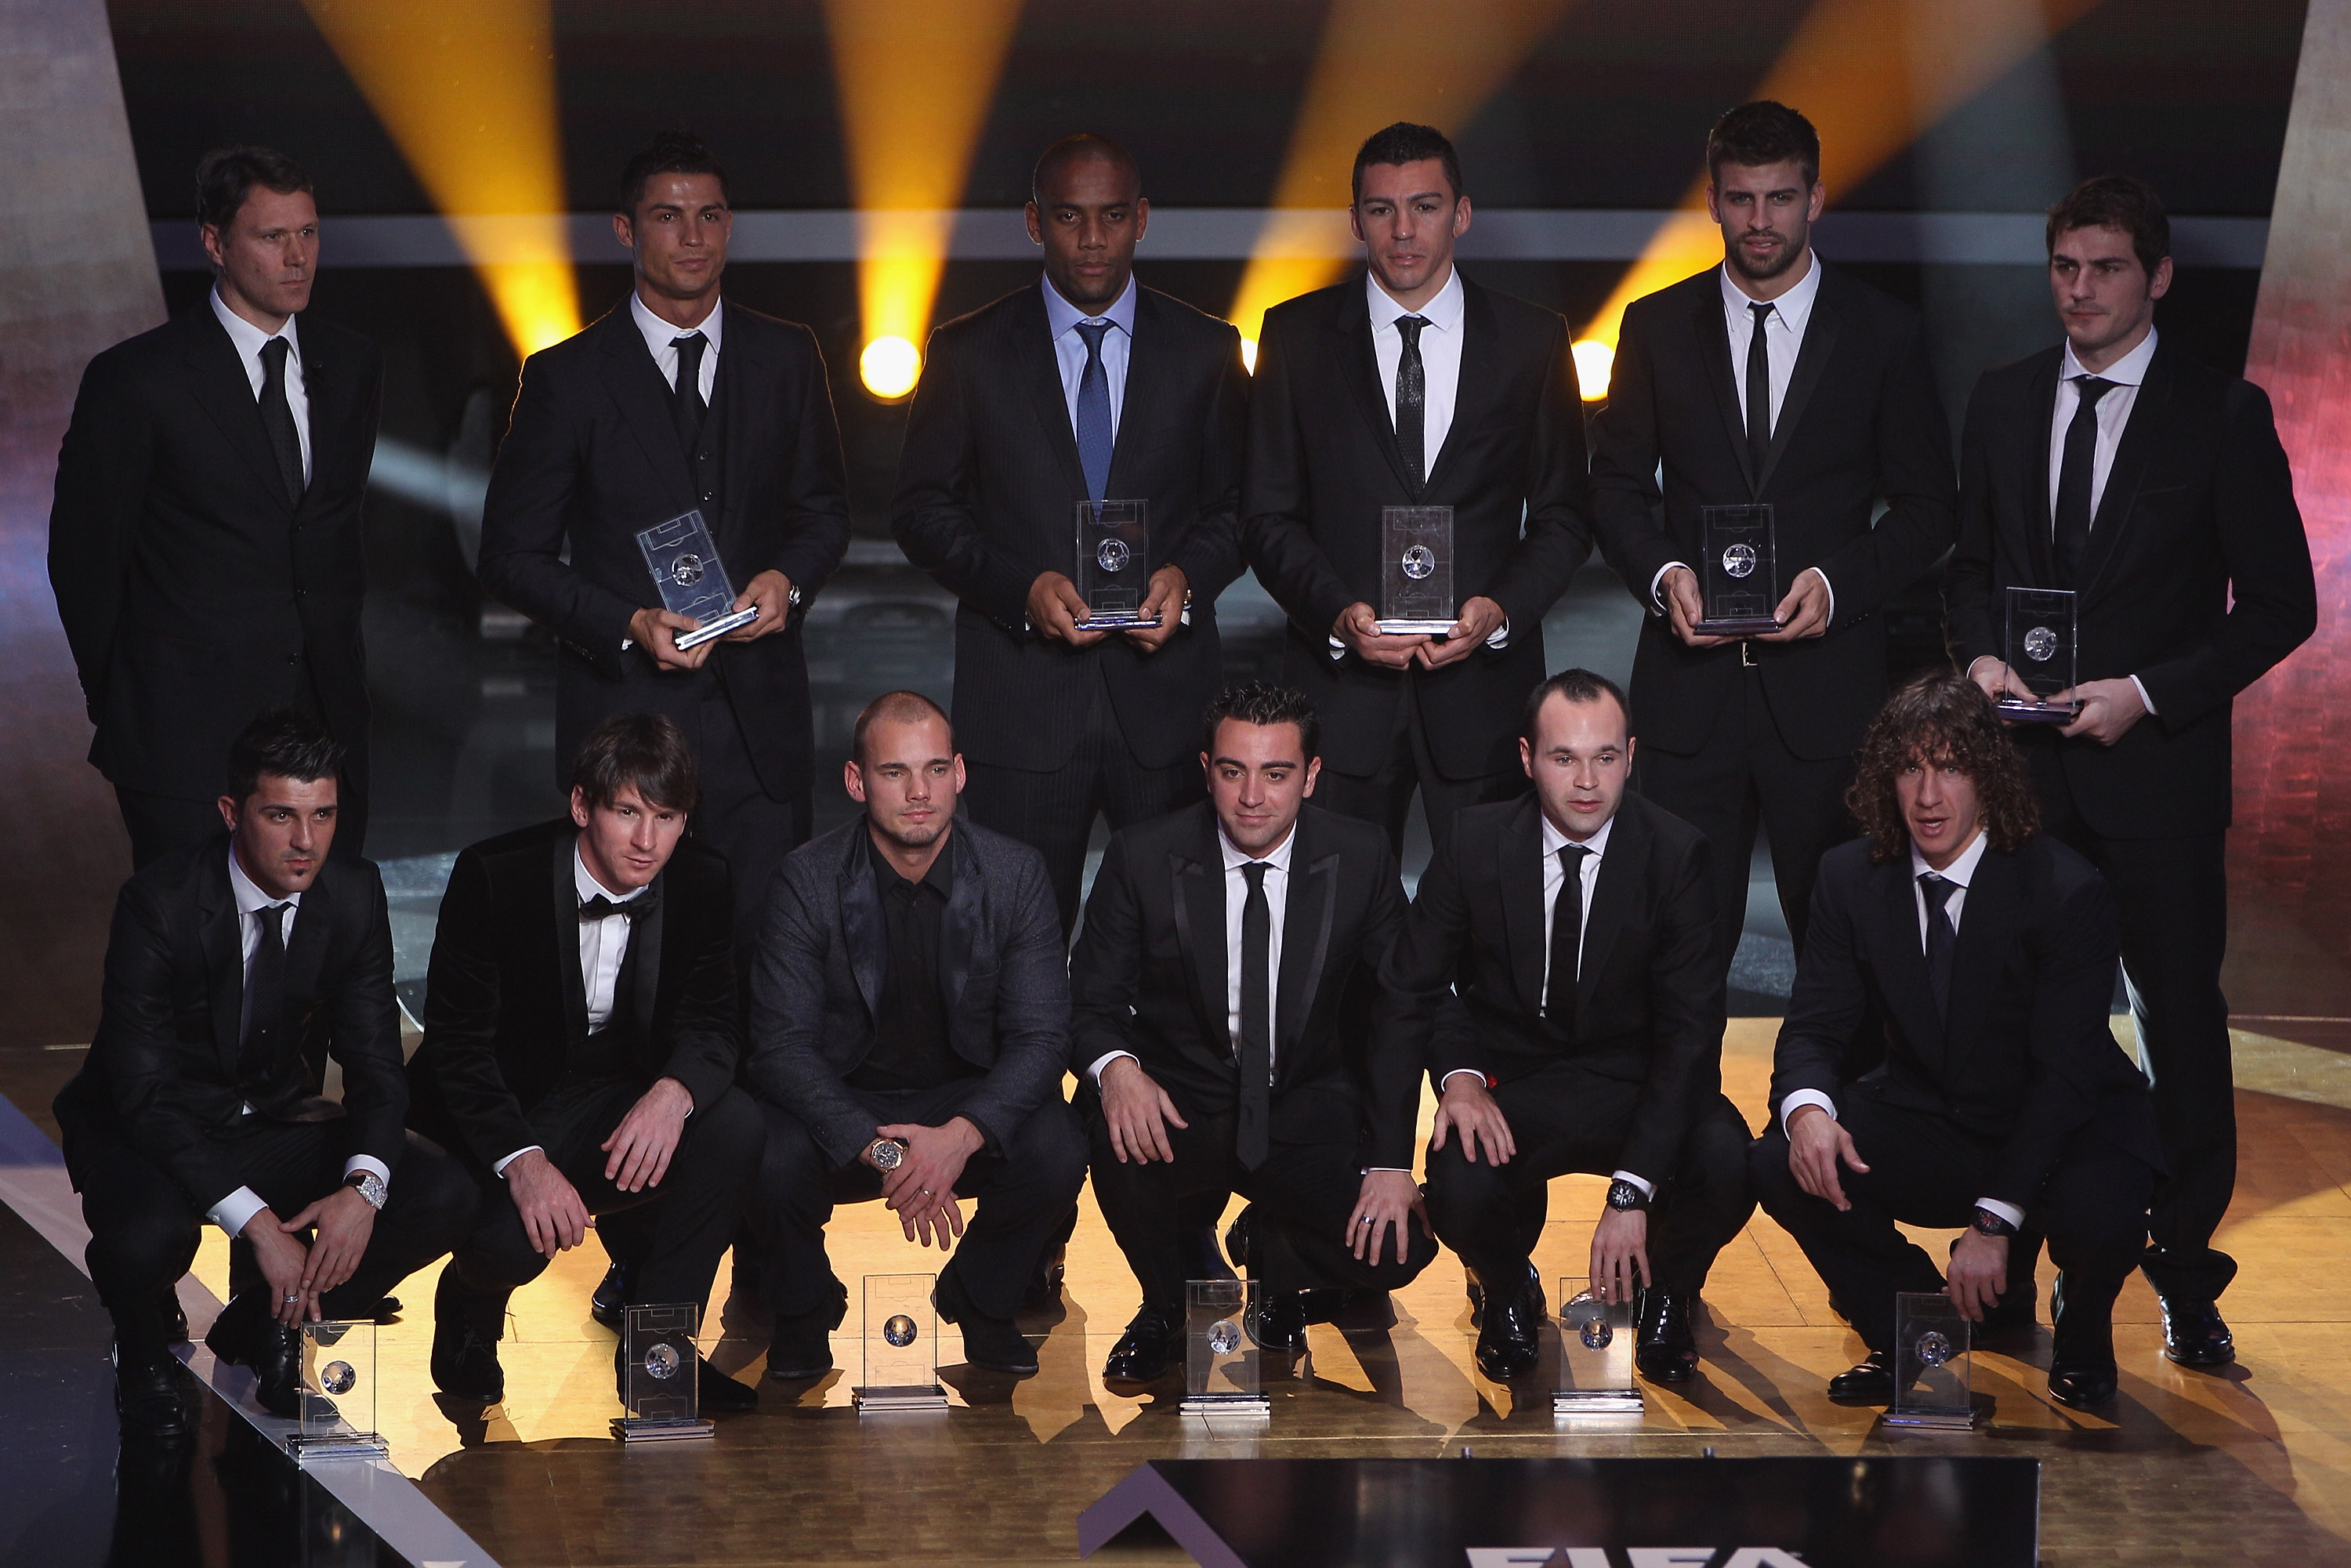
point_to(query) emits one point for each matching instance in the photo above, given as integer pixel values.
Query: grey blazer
(816, 984)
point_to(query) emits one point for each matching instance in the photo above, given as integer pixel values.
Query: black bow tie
(637, 908)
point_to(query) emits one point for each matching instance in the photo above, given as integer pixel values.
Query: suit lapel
(645, 946)
(306, 952)
(958, 934)
(566, 908)
(216, 924)
(1306, 920)
(1520, 877)
(225, 393)
(2039, 525)
(1903, 978)
(635, 385)
(860, 924)
(1612, 898)
(1197, 886)
(1480, 378)
(1812, 361)
(1040, 372)
(1138, 406)
(1714, 354)
(323, 387)
(1987, 920)
(1359, 367)
(738, 364)
(2149, 417)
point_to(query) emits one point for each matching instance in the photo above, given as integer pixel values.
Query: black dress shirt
(910, 1036)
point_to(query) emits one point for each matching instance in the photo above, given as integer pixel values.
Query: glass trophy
(1221, 1372)
(693, 581)
(660, 1399)
(337, 1418)
(2042, 643)
(902, 1345)
(1739, 571)
(1595, 1355)
(1415, 571)
(1113, 563)
(1930, 1364)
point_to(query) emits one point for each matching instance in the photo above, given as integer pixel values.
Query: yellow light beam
(915, 78)
(466, 88)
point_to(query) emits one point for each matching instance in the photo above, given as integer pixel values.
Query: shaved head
(1083, 148)
(894, 707)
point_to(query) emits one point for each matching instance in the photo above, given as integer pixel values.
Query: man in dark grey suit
(910, 1020)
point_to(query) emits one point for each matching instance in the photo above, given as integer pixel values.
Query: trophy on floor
(2042, 637)
(692, 580)
(1930, 1364)
(1595, 1355)
(660, 1396)
(1221, 1373)
(336, 1417)
(1417, 571)
(1737, 570)
(902, 1346)
(1114, 564)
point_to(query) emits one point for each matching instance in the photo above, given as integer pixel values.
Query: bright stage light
(889, 367)
(1594, 361)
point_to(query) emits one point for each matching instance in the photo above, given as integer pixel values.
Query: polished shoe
(149, 1396)
(1508, 1347)
(465, 1363)
(1869, 1381)
(1141, 1354)
(2194, 1332)
(800, 1348)
(2082, 1369)
(719, 1395)
(1666, 1347)
(1276, 1321)
(1239, 1243)
(609, 1305)
(1201, 1259)
(996, 1344)
(243, 1335)
(1477, 1295)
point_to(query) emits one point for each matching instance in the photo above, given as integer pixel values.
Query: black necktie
(266, 985)
(278, 418)
(1759, 391)
(2073, 535)
(1566, 940)
(1250, 1141)
(1942, 937)
(1412, 400)
(687, 403)
(599, 907)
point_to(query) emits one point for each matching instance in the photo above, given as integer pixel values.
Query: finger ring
(926, 1192)
(291, 1299)
(1365, 1220)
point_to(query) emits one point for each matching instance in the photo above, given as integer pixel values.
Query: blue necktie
(1093, 413)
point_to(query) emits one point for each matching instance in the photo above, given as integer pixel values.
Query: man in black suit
(1087, 387)
(233, 968)
(910, 1015)
(579, 1049)
(1414, 387)
(1578, 928)
(1767, 380)
(678, 401)
(1982, 952)
(207, 542)
(2156, 490)
(1226, 1014)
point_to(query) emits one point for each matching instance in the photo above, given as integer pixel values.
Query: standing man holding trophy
(2149, 497)
(1416, 499)
(1781, 403)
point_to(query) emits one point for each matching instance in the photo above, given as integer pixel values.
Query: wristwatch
(1987, 1223)
(886, 1153)
(1623, 1196)
(369, 1186)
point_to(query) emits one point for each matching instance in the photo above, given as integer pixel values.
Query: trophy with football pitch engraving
(686, 570)
(337, 1415)
(1415, 571)
(1221, 1375)
(660, 1396)
(1114, 564)
(2042, 643)
(1737, 570)
(1595, 1355)
(902, 1346)
(1930, 1364)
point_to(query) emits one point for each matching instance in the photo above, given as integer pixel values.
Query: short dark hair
(639, 751)
(1577, 685)
(1262, 703)
(898, 707)
(1945, 720)
(671, 152)
(2115, 201)
(282, 743)
(227, 175)
(1762, 132)
(1404, 142)
(1084, 144)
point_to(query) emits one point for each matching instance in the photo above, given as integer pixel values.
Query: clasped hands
(1059, 612)
(921, 1190)
(655, 631)
(298, 1274)
(1358, 628)
(1803, 610)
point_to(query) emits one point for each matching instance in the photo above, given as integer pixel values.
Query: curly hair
(1946, 720)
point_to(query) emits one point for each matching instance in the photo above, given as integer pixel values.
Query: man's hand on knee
(1138, 1110)
(282, 1260)
(642, 1146)
(921, 1191)
(553, 1215)
(1381, 1208)
(1467, 1110)
(1816, 1142)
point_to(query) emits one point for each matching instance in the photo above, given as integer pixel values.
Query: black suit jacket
(1150, 972)
(988, 483)
(1648, 1006)
(1860, 424)
(816, 984)
(163, 1071)
(592, 456)
(2025, 1058)
(506, 1007)
(2196, 580)
(195, 592)
(1323, 462)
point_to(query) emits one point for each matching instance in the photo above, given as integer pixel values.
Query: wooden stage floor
(2253, 1466)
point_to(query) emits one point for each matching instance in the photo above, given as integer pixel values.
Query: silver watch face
(887, 1154)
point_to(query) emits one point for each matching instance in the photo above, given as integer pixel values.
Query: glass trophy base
(311, 1447)
(1935, 1418)
(2018, 711)
(1596, 1402)
(1118, 620)
(891, 1401)
(663, 1429)
(1412, 628)
(1736, 626)
(1228, 1407)
(709, 630)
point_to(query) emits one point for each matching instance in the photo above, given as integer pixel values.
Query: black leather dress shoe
(149, 1397)
(720, 1395)
(245, 1335)
(1141, 1353)
(996, 1344)
(1276, 1321)
(2082, 1362)
(1508, 1346)
(1868, 1382)
(465, 1362)
(1665, 1347)
(2194, 1332)
(609, 1305)
(800, 1348)
(1477, 1295)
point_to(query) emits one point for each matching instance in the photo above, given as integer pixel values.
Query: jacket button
(708, 496)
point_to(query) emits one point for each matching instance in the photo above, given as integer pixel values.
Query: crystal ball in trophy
(2040, 645)
(1739, 560)
(663, 1361)
(1595, 1334)
(338, 1377)
(1933, 1348)
(686, 570)
(899, 1331)
(1223, 1336)
(1418, 562)
(1113, 555)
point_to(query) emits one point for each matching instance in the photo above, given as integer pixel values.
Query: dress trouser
(737, 815)
(1384, 795)
(1924, 1169)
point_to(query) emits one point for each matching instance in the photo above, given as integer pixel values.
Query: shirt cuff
(2145, 701)
(1656, 601)
(1641, 1182)
(1398, 1170)
(2006, 1211)
(1094, 1068)
(1457, 1072)
(1802, 1098)
(1501, 637)
(1823, 576)
(498, 1167)
(1995, 658)
(369, 1164)
(234, 1212)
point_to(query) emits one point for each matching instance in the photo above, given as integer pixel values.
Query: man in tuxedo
(233, 967)
(579, 1049)
(679, 402)
(207, 542)
(1769, 380)
(1983, 953)
(1578, 928)
(1227, 1018)
(1414, 386)
(2155, 490)
(909, 1028)
(1084, 388)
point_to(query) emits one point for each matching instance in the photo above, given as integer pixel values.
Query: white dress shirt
(2112, 413)
(1961, 870)
(660, 338)
(232, 1212)
(1440, 357)
(1069, 348)
(248, 340)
